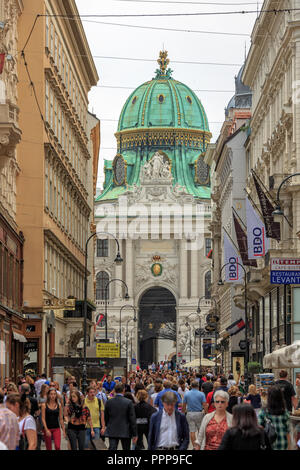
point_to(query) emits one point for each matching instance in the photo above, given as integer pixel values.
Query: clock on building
(119, 170)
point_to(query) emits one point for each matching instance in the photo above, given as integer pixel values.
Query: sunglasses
(220, 401)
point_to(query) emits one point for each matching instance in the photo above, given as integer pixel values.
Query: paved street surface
(64, 444)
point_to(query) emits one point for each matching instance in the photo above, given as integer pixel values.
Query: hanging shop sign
(107, 350)
(285, 270)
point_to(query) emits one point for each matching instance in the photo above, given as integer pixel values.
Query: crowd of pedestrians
(154, 409)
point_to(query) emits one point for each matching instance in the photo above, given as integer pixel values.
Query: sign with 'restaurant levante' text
(285, 271)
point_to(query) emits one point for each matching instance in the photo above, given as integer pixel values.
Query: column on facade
(183, 271)
(194, 273)
(129, 267)
(217, 253)
(117, 284)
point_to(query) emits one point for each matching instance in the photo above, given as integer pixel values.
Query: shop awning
(286, 357)
(19, 337)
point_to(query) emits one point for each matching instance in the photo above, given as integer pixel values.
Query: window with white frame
(102, 280)
(102, 248)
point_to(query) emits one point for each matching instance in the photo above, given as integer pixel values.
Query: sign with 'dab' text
(107, 350)
(285, 271)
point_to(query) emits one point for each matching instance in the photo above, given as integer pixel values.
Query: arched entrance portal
(157, 326)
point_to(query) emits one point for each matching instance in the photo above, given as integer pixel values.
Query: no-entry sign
(285, 271)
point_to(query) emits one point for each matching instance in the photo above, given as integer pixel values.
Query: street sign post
(285, 270)
(107, 350)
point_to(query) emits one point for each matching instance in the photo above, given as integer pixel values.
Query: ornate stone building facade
(55, 185)
(272, 72)
(11, 239)
(228, 162)
(154, 190)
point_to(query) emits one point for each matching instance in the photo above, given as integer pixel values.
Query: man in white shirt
(169, 429)
(41, 380)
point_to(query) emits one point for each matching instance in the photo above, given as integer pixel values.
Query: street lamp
(216, 333)
(131, 349)
(125, 306)
(200, 355)
(106, 295)
(221, 283)
(130, 319)
(187, 324)
(118, 260)
(278, 213)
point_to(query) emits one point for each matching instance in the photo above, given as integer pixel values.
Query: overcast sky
(126, 42)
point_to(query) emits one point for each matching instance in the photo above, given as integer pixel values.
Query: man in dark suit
(169, 428)
(120, 420)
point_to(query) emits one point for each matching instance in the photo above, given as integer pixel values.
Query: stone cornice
(59, 155)
(63, 97)
(269, 88)
(78, 39)
(260, 30)
(159, 135)
(226, 190)
(74, 259)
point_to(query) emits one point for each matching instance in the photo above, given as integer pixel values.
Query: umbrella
(204, 362)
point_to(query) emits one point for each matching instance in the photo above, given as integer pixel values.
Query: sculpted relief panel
(156, 170)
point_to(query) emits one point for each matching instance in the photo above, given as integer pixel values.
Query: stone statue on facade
(156, 169)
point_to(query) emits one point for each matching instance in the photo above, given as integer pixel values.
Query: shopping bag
(97, 444)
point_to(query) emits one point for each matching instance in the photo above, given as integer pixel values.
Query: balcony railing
(79, 311)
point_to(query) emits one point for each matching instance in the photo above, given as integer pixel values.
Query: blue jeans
(88, 436)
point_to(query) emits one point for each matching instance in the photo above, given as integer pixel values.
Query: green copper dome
(163, 102)
(165, 116)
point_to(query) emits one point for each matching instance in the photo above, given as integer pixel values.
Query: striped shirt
(9, 428)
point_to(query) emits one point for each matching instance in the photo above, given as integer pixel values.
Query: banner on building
(267, 208)
(233, 272)
(258, 243)
(2, 60)
(241, 237)
(236, 327)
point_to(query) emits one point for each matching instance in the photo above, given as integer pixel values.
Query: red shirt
(214, 433)
(209, 396)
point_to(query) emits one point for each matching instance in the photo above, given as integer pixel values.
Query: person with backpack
(288, 391)
(96, 409)
(245, 434)
(276, 420)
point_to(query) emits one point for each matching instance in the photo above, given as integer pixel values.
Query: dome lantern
(163, 63)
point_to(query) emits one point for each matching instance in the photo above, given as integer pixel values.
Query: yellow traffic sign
(107, 350)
